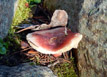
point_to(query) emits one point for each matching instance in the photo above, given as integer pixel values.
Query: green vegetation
(3, 47)
(32, 63)
(20, 17)
(65, 69)
(33, 1)
(22, 13)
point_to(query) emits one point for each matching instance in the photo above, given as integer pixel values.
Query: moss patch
(22, 13)
(65, 69)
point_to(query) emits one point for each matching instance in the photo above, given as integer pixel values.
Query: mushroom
(59, 18)
(54, 41)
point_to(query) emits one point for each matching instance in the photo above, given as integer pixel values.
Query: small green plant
(33, 1)
(32, 63)
(3, 47)
(21, 14)
(65, 69)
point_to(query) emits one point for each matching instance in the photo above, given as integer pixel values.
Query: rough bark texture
(25, 70)
(89, 17)
(7, 9)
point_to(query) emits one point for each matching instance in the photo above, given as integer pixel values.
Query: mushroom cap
(59, 18)
(53, 41)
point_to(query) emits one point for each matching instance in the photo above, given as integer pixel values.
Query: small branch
(65, 55)
(55, 63)
(26, 49)
(31, 27)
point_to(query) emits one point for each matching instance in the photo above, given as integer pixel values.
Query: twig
(65, 55)
(26, 49)
(63, 60)
(53, 64)
(31, 27)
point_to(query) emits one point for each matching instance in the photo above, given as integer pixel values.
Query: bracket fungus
(54, 41)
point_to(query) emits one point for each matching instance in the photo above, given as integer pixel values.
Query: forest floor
(19, 51)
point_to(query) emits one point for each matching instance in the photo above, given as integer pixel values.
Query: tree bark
(89, 17)
(7, 10)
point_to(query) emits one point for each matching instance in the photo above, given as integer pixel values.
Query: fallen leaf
(24, 45)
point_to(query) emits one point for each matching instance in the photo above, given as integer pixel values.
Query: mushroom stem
(57, 55)
(66, 31)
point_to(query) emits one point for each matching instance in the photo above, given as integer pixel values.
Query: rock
(7, 10)
(25, 70)
(92, 52)
(89, 17)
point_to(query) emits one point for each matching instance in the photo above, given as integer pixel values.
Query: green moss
(65, 70)
(22, 13)
(32, 63)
